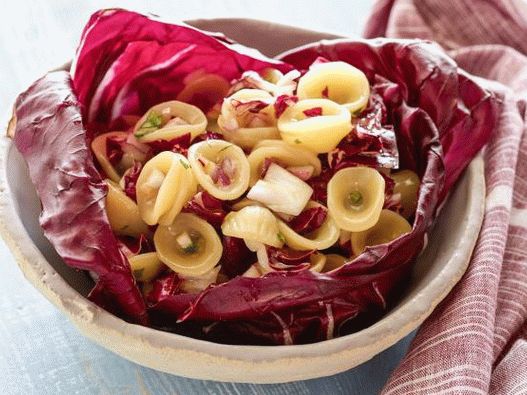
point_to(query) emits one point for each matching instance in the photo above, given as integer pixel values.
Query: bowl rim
(93, 320)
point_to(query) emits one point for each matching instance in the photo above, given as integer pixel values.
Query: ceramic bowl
(438, 268)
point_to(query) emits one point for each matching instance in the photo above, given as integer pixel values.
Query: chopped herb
(355, 198)
(191, 248)
(185, 165)
(297, 141)
(225, 148)
(281, 237)
(152, 123)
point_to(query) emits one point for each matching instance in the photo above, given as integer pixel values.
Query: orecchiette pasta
(284, 154)
(323, 237)
(145, 267)
(123, 213)
(389, 227)
(189, 246)
(318, 261)
(316, 124)
(194, 284)
(407, 185)
(245, 118)
(165, 184)
(337, 81)
(131, 150)
(333, 261)
(168, 120)
(356, 197)
(220, 167)
(253, 223)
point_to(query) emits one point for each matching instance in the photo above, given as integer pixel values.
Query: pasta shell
(253, 223)
(194, 259)
(168, 120)
(284, 154)
(333, 261)
(407, 185)
(133, 151)
(145, 267)
(336, 81)
(318, 261)
(389, 227)
(195, 284)
(213, 86)
(240, 129)
(356, 197)
(323, 237)
(320, 133)
(216, 156)
(123, 213)
(165, 184)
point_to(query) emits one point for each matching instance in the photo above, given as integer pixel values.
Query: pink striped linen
(476, 340)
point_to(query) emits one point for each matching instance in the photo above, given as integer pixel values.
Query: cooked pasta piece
(220, 167)
(337, 81)
(244, 203)
(145, 267)
(189, 246)
(356, 197)
(165, 184)
(248, 117)
(129, 151)
(323, 237)
(333, 261)
(407, 185)
(318, 261)
(253, 223)
(315, 124)
(168, 120)
(282, 153)
(123, 213)
(389, 227)
(195, 284)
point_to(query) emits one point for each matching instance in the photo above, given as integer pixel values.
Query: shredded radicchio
(309, 220)
(313, 112)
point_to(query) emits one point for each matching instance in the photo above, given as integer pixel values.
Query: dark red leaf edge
(51, 137)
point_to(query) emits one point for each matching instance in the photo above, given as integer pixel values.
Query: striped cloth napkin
(476, 340)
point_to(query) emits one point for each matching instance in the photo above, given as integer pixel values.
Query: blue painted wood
(40, 350)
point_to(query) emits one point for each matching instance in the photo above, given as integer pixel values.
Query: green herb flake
(280, 237)
(355, 198)
(153, 122)
(297, 141)
(225, 148)
(185, 165)
(191, 248)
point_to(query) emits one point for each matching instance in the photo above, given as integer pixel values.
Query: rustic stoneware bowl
(438, 269)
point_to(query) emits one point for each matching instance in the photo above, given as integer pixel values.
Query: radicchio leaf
(308, 220)
(130, 180)
(51, 137)
(207, 207)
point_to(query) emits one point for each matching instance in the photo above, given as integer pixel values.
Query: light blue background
(40, 351)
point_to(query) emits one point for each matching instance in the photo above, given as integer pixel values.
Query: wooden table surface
(40, 350)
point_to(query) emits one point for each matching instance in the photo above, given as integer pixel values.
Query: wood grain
(40, 351)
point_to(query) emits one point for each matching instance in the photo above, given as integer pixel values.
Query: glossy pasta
(286, 155)
(220, 167)
(169, 120)
(248, 117)
(123, 212)
(336, 81)
(189, 245)
(165, 184)
(315, 124)
(356, 197)
(323, 237)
